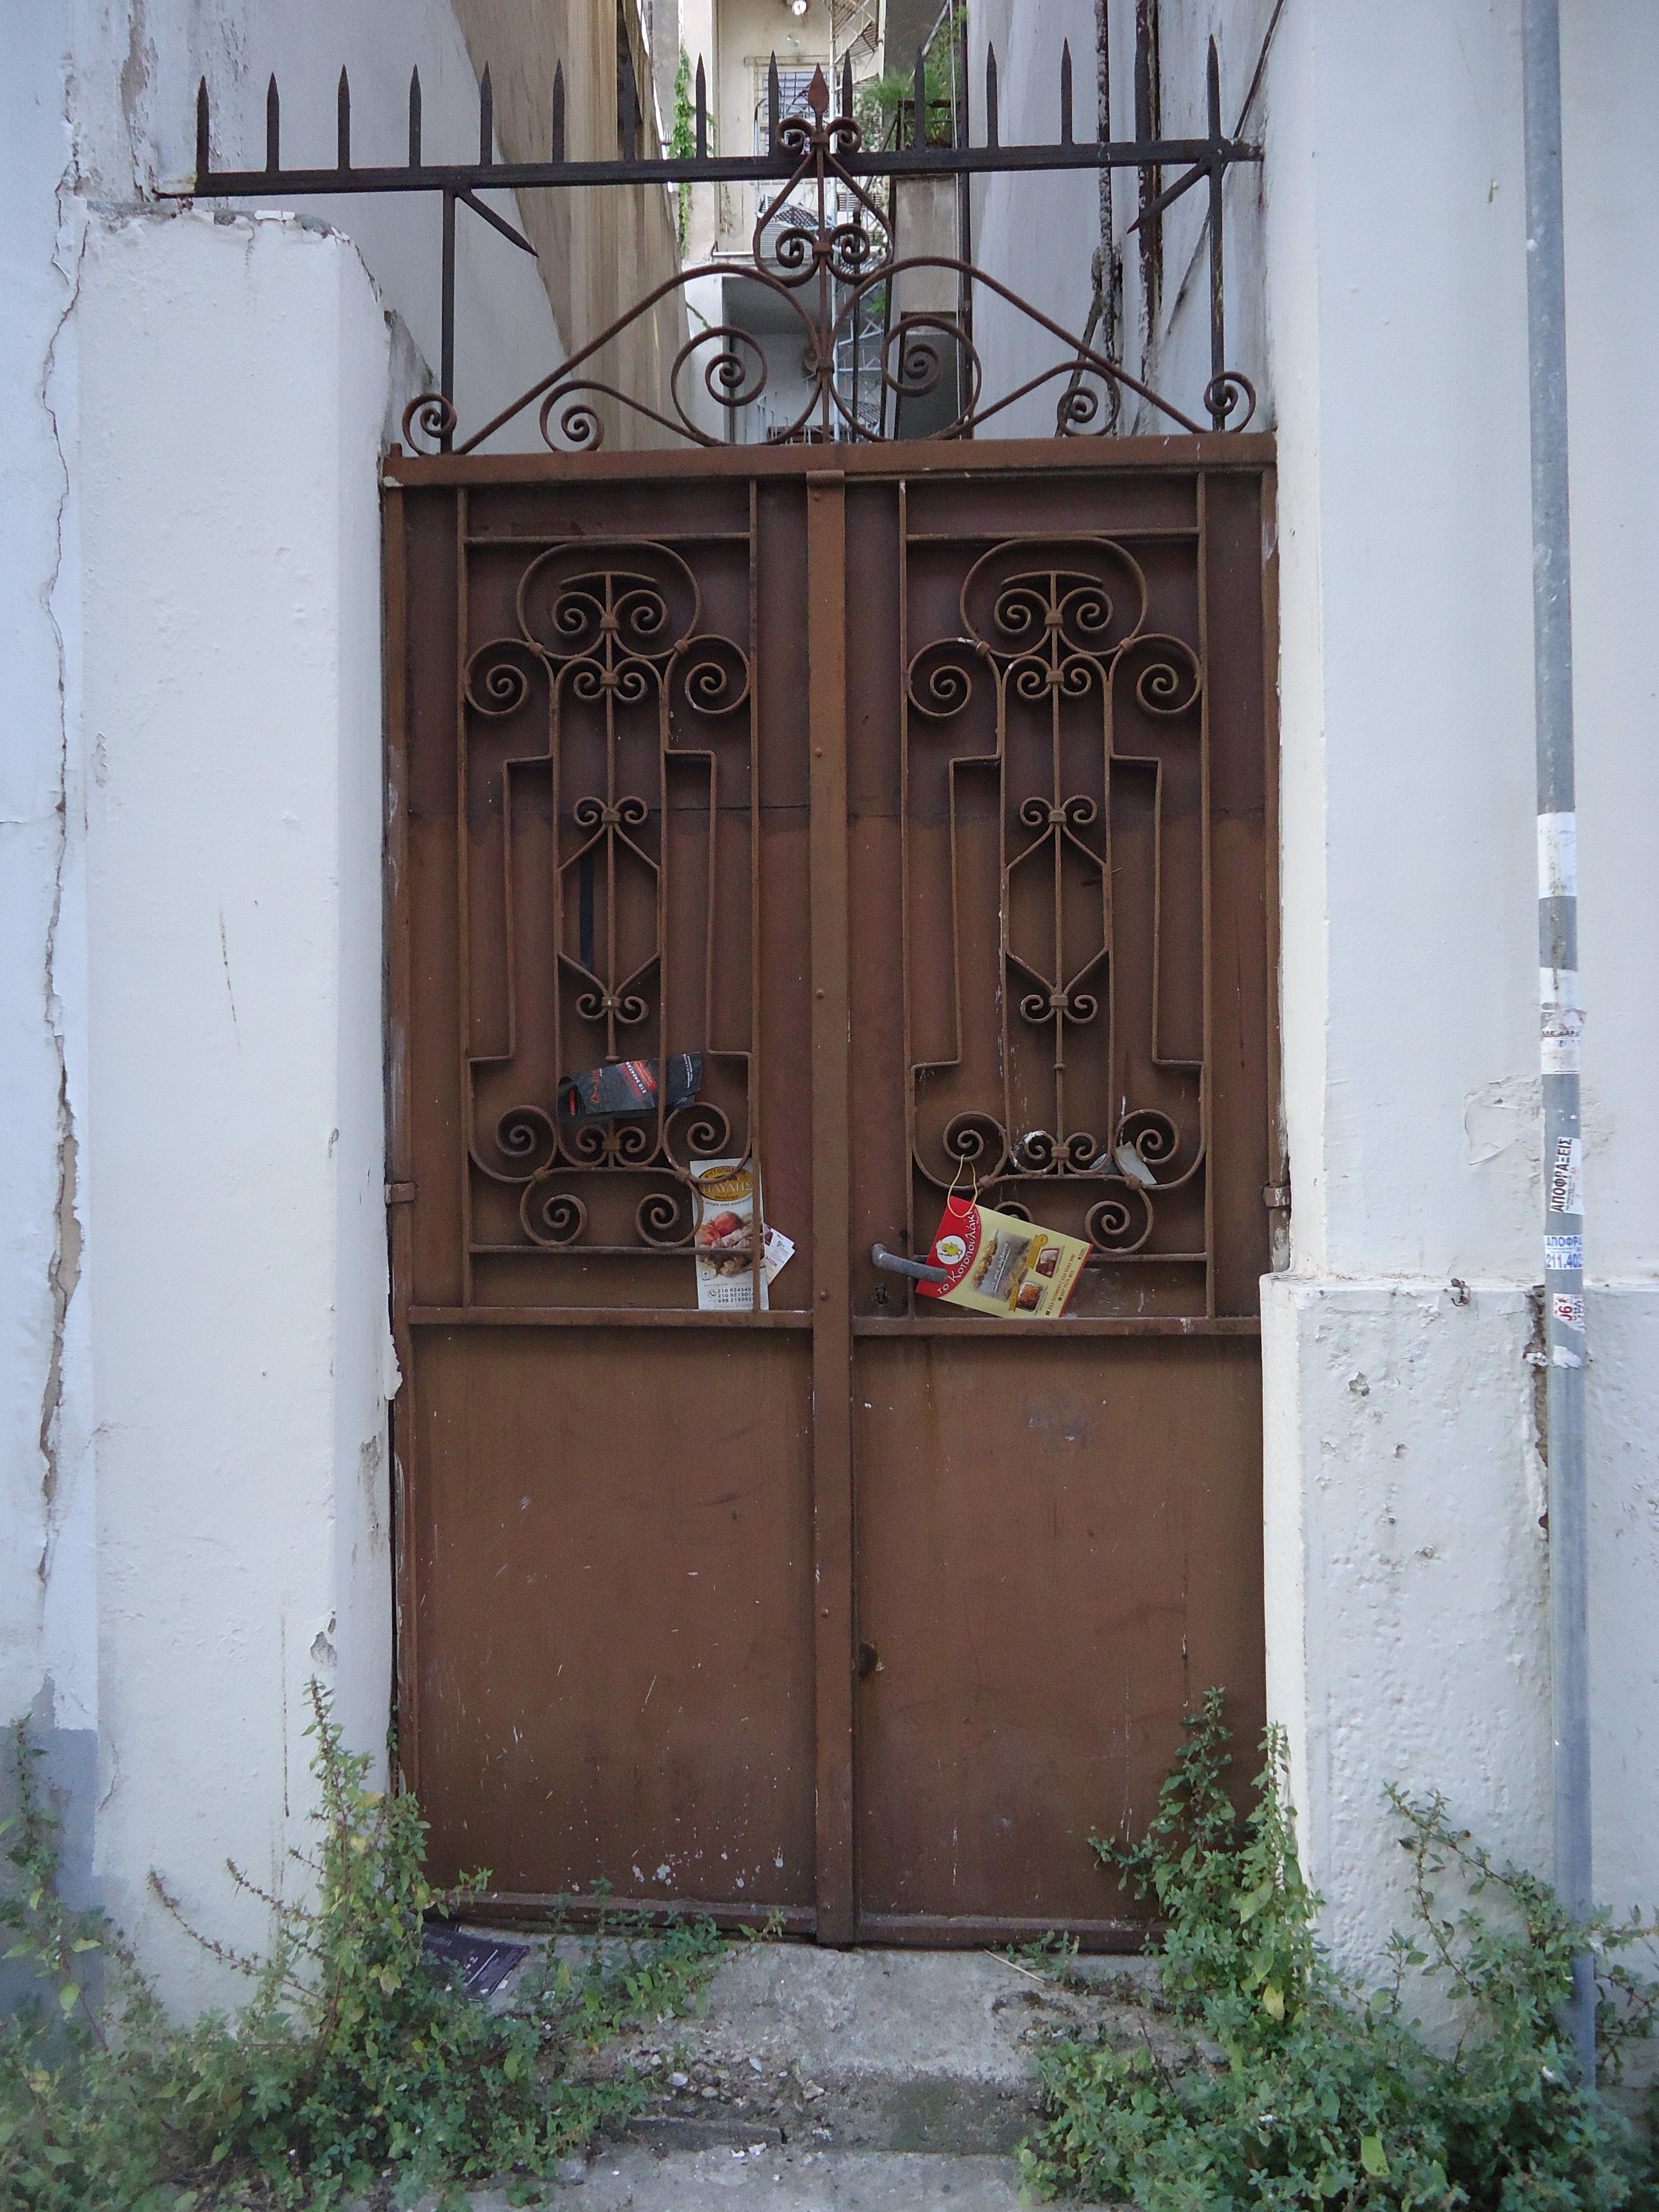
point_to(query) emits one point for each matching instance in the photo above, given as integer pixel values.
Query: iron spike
(1212, 89)
(486, 120)
(990, 137)
(1065, 93)
(919, 100)
(273, 127)
(204, 153)
(342, 158)
(558, 114)
(415, 119)
(702, 112)
(847, 86)
(773, 104)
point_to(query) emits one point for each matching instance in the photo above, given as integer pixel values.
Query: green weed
(356, 2066)
(1281, 2089)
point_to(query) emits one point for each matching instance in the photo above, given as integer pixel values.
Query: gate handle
(918, 1270)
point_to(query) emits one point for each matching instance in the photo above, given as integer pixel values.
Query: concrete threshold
(850, 2079)
(636, 2178)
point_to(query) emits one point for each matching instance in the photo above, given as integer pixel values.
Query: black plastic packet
(630, 1087)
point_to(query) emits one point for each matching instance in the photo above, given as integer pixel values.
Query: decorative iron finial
(818, 95)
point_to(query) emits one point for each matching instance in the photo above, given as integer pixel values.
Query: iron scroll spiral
(430, 415)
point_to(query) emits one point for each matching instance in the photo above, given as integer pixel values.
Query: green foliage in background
(1262, 2081)
(881, 102)
(682, 139)
(356, 2062)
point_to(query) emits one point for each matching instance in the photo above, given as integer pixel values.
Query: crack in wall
(63, 1271)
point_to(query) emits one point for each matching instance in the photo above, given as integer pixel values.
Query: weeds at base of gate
(1280, 2087)
(358, 2068)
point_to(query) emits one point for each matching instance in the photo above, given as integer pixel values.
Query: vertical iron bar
(773, 104)
(847, 86)
(991, 138)
(965, 186)
(415, 119)
(702, 139)
(1218, 395)
(446, 358)
(919, 97)
(1149, 104)
(203, 155)
(1107, 284)
(832, 1320)
(273, 127)
(1560, 1019)
(556, 155)
(1066, 92)
(342, 123)
(486, 121)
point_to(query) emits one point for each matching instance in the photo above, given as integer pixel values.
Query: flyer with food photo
(996, 1263)
(723, 1192)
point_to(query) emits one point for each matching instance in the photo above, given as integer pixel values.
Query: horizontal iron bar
(503, 1908)
(723, 169)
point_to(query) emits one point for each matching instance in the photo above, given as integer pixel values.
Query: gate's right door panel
(1058, 756)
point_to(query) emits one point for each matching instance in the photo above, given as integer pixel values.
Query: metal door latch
(918, 1270)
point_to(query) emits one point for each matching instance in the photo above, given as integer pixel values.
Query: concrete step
(856, 2080)
(636, 2178)
(906, 2051)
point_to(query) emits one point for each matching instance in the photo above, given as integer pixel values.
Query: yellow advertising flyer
(995, 1263)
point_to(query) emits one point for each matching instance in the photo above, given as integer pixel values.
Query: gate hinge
(1276, 1197)
(400, 1194)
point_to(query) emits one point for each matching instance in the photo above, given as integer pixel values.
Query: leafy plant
(682, 139)
(1270, 2083)
(356, 2062)
(682, 143)
(881, 103)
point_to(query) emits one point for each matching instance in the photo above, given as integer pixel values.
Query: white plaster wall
(1394, 246)
(158, 1571)
(1039, 234)
(45, 1501)
(1610, 82)
(231, 1164)
(133, 66)
(1407, 1588)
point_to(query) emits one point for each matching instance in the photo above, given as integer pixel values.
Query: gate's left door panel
(606, 1601)
(615, 1592)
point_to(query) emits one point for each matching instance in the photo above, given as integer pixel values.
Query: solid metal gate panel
(924, 791)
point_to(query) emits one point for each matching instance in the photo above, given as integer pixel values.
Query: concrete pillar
(1407, 1567)
(232, 384)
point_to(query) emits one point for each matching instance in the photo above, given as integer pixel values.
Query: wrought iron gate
(925, 791)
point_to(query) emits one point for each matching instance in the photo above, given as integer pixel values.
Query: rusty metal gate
(925, 792)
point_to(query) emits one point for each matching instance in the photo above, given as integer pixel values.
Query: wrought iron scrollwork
(825, 269)
(610, 682)
(1059, 636)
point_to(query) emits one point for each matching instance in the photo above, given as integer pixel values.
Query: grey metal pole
(1560, 1017)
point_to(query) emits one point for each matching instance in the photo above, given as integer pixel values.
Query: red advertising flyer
(996, 1263)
